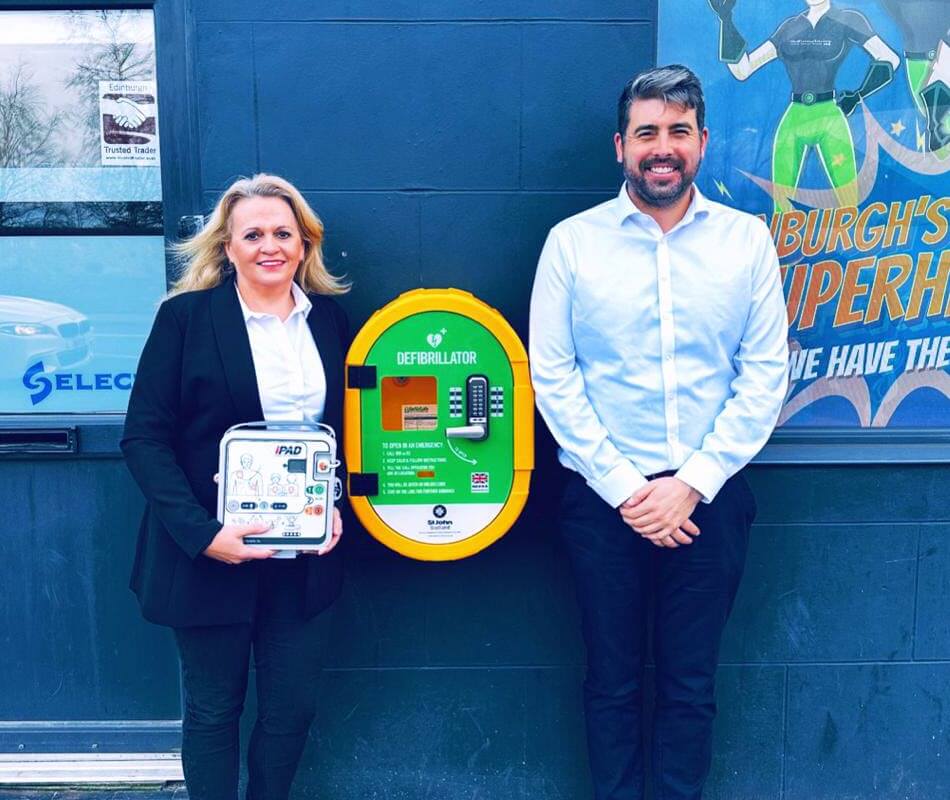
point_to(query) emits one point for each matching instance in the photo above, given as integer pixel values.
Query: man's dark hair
(673, 83)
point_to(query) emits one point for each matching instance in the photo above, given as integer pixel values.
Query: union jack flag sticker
(479, 482)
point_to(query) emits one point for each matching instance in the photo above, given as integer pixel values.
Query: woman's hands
(334, 536)
(228, 544)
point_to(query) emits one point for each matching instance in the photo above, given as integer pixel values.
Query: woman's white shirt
(290, 377)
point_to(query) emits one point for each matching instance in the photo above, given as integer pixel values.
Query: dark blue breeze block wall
(439, 141)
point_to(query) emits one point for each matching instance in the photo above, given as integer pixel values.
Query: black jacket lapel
(230, 332)
(325, 334)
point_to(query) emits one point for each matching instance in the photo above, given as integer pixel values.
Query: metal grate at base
(89, 768)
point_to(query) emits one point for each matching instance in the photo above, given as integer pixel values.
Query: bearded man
(659, 361)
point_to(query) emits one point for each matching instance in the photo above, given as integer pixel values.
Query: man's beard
(661, 197)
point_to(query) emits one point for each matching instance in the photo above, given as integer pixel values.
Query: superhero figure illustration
(812, 46)
(924, 26)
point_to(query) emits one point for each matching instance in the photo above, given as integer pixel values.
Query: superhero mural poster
(831, 120)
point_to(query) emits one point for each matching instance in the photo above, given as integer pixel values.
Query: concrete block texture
(868, 731)
(570, 115)
(932, 633)
(804, 493)
(441, 105)
(512, 605)
(372, 240)
(383, 106)
(748, 743)
(511, 733)
(410, 734)
(488, 243)
(825, 593)
(808, 595)
(227, 111)
(426, 10)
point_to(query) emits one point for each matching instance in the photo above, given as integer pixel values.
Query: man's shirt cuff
(616, 485)
(703, 473)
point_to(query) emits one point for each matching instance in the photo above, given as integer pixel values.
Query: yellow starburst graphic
(897, 128)
(837, 159)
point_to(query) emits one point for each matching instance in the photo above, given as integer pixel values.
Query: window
(82, 250)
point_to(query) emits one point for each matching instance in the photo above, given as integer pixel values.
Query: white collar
(302, 304)
(625, 207)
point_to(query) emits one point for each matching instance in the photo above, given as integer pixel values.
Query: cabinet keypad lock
(476, 412)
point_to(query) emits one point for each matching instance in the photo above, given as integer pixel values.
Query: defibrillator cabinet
(439, 430)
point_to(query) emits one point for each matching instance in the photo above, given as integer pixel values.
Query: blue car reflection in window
(37, 330)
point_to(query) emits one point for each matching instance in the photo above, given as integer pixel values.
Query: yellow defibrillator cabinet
(439, 425)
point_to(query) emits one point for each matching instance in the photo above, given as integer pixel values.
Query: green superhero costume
(812, 57)
(816, 117)
(923, 24)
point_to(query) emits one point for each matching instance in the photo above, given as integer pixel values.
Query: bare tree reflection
(116, 60)
(27, 132)
(124, 216)
(26, 129)
(57, 124)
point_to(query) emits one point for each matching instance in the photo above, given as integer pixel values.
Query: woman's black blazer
(195, 380)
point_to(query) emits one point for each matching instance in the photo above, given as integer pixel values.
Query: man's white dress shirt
(290, 376)
(654, 352)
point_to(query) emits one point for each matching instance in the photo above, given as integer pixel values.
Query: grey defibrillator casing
(282, 474)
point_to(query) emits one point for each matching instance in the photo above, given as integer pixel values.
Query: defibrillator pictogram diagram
(245, 481)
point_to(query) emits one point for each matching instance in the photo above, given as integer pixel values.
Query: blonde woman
(250, 331)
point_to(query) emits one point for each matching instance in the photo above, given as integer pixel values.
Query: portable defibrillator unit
(281, 473)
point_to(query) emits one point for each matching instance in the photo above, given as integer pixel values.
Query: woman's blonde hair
(203, 258)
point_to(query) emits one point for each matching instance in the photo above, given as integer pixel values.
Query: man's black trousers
(620, 577)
